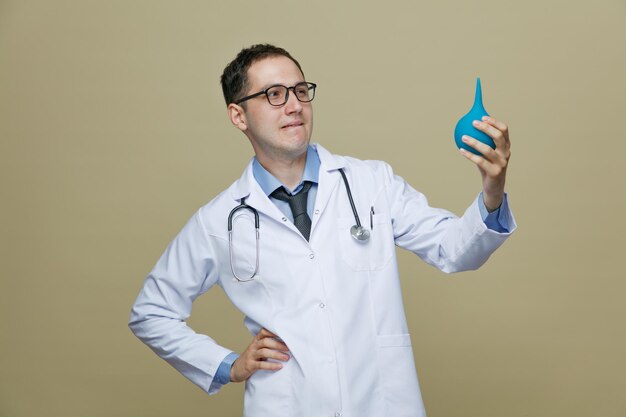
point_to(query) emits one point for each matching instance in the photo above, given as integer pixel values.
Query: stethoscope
(358, 232)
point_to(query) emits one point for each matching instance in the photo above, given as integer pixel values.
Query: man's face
(276, 133)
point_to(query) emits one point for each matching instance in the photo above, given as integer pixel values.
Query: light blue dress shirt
(494, 221)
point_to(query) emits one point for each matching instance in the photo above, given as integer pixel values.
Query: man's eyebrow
(268, 85)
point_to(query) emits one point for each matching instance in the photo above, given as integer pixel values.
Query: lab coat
(335, 302)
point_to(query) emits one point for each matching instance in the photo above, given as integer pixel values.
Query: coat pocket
(371, 254)
(399, 381)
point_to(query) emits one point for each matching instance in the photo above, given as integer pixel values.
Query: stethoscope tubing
(356, 215)
(241, 206)
(357, 231)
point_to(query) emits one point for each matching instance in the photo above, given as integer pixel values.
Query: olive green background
(113, 132)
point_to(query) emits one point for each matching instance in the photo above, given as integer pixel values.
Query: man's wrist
(493, 203)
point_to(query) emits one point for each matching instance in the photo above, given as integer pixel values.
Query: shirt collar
(269, 183)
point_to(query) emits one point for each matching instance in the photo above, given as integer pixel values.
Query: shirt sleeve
(222, 376)
(495, 220)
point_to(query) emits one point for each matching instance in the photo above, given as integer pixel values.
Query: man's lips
(293, 124)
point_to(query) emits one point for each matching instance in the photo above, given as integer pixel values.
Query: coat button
(311, 255)
(322, 305)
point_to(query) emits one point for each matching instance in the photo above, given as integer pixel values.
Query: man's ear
(237, 116)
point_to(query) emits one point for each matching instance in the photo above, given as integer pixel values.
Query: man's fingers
(263, 354)
(487, 167)
(268, 366)
(265, 338)
(486, 150)
(476, 159)
(272, 344)
(491, 158)
(502, 127)
(492, 132)
(265, 333)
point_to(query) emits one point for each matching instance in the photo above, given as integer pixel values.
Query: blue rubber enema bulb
(465, 127)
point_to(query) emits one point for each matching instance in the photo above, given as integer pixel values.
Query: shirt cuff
(222, 375)
(496, 220)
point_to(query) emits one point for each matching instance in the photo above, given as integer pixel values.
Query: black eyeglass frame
(310, 85)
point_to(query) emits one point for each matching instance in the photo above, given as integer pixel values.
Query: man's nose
(293, 104)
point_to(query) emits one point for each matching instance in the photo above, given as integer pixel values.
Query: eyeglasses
(278, 94)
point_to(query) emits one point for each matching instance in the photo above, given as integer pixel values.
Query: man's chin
(296, 147)
(296, 139)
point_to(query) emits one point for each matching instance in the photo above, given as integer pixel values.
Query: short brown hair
(235, 76)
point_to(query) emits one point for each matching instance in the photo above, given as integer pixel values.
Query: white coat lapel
(248, 187)
(329, 178)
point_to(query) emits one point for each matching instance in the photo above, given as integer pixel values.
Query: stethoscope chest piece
(360, 234)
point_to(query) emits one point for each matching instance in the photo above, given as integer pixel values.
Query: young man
(317, 279)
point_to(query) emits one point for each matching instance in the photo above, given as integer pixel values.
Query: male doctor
(324, 307)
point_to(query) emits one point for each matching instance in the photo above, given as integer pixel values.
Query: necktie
(298, 205)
